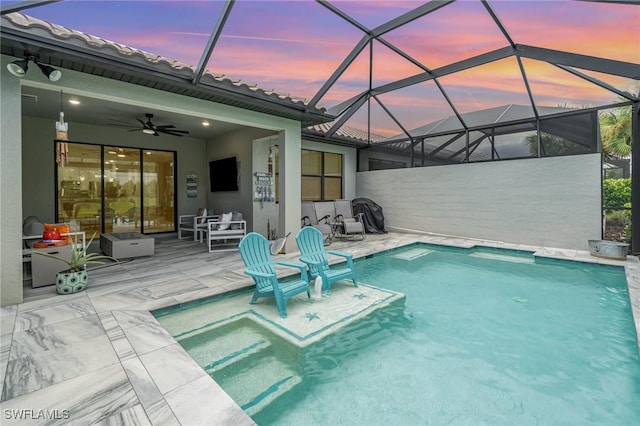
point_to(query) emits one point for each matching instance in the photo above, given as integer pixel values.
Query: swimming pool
(484, 336)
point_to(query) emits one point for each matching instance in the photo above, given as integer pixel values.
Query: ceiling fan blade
(166, 126)
(184, 132)
(141, 122)
(115, 120)
(173, 132)
(170, 132)
(122, 126)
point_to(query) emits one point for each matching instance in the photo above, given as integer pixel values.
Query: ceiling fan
(148, 127)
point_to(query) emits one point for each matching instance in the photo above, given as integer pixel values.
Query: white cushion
(201, 214)
(224, 221)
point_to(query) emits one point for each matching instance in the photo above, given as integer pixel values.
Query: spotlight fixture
(19, 68)
(50, 72)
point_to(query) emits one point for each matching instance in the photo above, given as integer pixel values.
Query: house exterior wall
(39, 196)
(38, 154)
(553, 202)
(349, 164)
(239, 144)
(11, 193)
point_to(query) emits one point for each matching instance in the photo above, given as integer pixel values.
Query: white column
(11, 184)
(290, 183)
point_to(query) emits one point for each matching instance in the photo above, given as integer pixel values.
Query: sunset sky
(294, 46)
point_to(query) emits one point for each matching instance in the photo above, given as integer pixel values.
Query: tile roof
(73, 38)
(348, 132)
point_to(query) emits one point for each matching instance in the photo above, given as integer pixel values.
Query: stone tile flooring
(100, 357)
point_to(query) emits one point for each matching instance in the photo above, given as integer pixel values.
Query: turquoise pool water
(484, 337)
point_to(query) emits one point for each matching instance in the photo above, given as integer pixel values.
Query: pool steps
(213, 354)
(503, 257)
(412, 254)
(242, 361)
(257, 385)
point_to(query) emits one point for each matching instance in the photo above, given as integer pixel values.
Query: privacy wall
(553, 202)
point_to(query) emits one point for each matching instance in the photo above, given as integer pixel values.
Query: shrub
(616, 192)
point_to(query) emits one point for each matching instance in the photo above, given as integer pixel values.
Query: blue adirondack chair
(311, 245)
(256, 255)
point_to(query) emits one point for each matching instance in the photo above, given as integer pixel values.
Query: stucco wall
(553, 202)
(239, 144)
(270, 211)
(38, 197)
(349, 164)
(10, 195)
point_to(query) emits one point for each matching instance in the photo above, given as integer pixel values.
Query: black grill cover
(373, 217)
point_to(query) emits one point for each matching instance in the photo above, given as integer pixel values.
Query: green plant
(79, 256)
(616, 192)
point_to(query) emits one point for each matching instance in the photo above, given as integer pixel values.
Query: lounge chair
(255, 253)
(310, 218)
(312, 253)
(347, 225)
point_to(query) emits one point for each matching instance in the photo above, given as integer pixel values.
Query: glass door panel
(115, 189)
(158, 195)
(79, 186)
(122, 187)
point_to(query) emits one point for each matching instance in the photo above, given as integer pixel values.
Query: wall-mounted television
(223, 174)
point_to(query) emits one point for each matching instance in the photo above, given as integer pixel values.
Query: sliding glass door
(115, 189)
(158, 193)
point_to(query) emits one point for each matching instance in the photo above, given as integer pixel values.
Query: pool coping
(169, 386)
(631, 265)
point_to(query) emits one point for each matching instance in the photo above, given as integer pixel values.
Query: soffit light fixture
(20, 67)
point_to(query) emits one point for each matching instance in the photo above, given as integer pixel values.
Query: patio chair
(348, 225)
(312, 253)
(195, 223)
(255, 253)
(310, 218)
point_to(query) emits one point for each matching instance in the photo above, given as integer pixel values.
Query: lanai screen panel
(452, 33)
(291, 47)
(426, 62)
(178, 31)
(607, 30)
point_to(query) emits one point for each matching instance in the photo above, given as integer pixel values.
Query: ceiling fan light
(19, 68)
(148, 131)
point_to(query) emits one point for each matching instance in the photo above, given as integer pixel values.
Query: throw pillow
(224, 221)
(202, 212)
(61, 228)
(235, 217)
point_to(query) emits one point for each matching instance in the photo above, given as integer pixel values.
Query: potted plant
(74, 278)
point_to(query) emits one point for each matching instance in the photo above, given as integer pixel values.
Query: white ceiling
(42, 103)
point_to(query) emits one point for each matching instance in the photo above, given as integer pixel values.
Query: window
(115, 189)
(321, 176)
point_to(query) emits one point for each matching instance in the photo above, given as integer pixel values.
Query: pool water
(484, 336)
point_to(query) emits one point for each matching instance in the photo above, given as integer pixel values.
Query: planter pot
(608, 249)
(71, 282)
